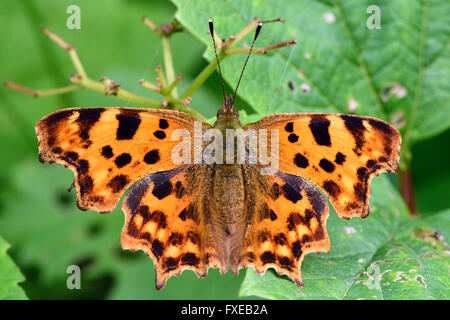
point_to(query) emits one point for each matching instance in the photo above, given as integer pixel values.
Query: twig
(168, 64)
(39, 93)
(167, 82)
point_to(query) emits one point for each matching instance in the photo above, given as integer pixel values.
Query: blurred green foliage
(39, 219)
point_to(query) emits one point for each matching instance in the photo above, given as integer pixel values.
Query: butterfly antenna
(211, 30)
(258, 29)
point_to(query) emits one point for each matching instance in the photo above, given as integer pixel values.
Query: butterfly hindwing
(109, 148)
(167, 215)
(338, 153)
(286, 220)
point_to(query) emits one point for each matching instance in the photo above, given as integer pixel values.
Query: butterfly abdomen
(228, 193)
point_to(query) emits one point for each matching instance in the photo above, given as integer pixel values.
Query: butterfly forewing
(109, 148)
(338, 153)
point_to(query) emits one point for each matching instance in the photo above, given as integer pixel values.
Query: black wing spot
(371, 163)
(293, 220)
(176, 238)
(86, 184)
(107, 152)
(159, 134)
(118, 183)
(286, 263)
(280, 239)
(163, 124)
(340, 158)
(387, 129)
(188, 213)
(273, 215)
(362, 173)
(319, 128)
(189, 259)
(297, 249)
(170, 263)
(183, 214)
(293, 138)
(301, 161)
(57, 150)
(291, 194)
(151, 157)
(326, 165)
(82, 167)
(128, 124)
(70, 157)
(267, 257)
(86, 119)
(356, 127)
(157, 248)
(360, 190)
(162, 190)
(276, 192)
(53, 119)
(122, 160)
(159, 218)
(144, 212)
(332, 188)
(289, 127)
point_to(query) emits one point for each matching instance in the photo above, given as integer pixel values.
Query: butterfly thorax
(227, 116)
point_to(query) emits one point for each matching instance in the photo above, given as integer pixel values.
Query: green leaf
(385, 256)
(10, 276)
(398, 73)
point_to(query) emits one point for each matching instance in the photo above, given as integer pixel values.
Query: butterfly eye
(219, 113)
(235, 113)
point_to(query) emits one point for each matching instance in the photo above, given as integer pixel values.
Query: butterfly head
(228, 116)
(228, 108)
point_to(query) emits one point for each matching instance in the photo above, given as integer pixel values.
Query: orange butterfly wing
(167, 215)
(109, 148)
(338, 153)
(286, 220)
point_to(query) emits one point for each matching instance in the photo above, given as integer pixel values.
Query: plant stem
(167, 82)
(407, 190)
(168, 63)
(211, 67)
(39, 93)
(121, 93)
(195, 114)
(244, 32)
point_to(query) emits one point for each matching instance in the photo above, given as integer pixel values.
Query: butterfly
(204, 215)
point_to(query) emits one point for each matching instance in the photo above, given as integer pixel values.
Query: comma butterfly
(201, 215)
